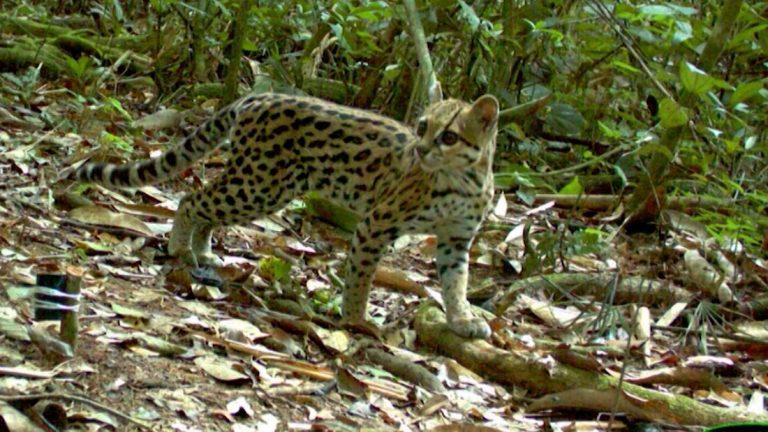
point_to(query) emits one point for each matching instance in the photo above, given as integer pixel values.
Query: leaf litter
(261, 351)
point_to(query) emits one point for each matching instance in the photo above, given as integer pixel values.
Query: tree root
(542, 377)
(628, 289)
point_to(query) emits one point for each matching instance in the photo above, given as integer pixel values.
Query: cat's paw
(365, 327)
(470, 327)
(209, 259)
(205, 259)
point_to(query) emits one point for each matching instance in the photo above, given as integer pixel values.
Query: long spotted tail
(175, 160)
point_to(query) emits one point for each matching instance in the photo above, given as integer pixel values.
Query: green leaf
(608, 131)
(657, 10)
(745, 91)
(683, 32)
(117, 142)
(526, 196)
(654, 148)
(564, 118)
(694, 79)
(624, 66)
(469, 15)
(573, 187)
(274, 269)
(119, 107)
(672, 114)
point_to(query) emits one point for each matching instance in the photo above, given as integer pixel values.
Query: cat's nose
(421, 150)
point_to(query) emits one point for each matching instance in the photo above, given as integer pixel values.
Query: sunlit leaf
(683, 31)
(274, 269)
(745, 91)
(468, 14)
(694, 79)
(573, 187)
(658, 10)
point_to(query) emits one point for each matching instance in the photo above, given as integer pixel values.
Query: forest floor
(261, 351)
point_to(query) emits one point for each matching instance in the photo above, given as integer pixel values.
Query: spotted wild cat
(436, 179)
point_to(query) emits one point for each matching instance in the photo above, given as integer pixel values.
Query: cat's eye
(421, 128)
(448, 138)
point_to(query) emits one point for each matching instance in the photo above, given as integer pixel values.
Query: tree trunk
(233, 71)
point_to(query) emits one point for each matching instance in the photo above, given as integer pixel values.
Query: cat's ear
(435, 93)
(486, 110)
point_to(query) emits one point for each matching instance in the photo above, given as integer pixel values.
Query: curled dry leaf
(241, 331)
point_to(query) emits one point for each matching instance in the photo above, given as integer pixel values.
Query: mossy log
(542, 378)
(24, 26)
(74, 43)
(24, 54)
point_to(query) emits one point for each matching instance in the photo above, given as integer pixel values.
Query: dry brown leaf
(349, 384)
(674, 311)
(96, 215)
(221, 369)
(399, 280)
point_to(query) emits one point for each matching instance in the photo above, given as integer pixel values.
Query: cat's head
(454, 134)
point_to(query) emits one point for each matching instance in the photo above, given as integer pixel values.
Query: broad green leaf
(684, 10)
(656, 10)
(651, 148)
(469, 15)
(666, 10)
(564, 118)
(745, 91)
(746, 35)
(671, 114)
(694, 79)
(731, 145)
(683, 32)
(373, 12)
(573, 187)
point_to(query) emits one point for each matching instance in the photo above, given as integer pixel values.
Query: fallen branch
(405, 369)
(632, 289)
(541, 377)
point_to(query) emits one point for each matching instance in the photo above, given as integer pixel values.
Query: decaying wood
(545, 377)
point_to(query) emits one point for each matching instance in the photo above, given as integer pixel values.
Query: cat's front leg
(453, 268)
(368, 245)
